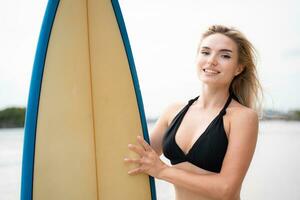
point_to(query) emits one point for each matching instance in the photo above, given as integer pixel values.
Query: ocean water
(11, 144)
(273, 173)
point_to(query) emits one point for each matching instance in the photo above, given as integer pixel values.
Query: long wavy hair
(245, 87)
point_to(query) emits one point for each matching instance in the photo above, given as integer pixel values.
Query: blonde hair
(245, 86)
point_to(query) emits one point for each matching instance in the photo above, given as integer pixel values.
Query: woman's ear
(239, 69)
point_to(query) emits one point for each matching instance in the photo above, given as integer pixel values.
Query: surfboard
(84, 107)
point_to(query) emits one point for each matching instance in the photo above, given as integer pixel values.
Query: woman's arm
(226, 184)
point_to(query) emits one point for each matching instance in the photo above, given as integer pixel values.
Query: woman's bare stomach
(185, 194)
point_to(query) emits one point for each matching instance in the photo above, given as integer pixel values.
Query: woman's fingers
(135, 171)
(145, 161)
(130, 160)
(137, 149)
(144, 144)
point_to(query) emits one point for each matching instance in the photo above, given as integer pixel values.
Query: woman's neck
(210, 98)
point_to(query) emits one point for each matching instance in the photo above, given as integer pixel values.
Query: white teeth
(211, 71)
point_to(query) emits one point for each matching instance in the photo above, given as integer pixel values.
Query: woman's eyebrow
(226, 50)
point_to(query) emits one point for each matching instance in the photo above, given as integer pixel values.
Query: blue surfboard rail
(33, 101)
(122, 27)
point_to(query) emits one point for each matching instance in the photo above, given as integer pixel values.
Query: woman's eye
(226, 56)
(204, 53)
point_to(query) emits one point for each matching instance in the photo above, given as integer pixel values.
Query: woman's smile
(210, 72)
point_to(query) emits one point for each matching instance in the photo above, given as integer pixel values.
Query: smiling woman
(210, 140)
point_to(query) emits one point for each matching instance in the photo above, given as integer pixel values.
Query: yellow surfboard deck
(87, 111)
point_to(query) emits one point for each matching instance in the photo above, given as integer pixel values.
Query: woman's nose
(212, 60)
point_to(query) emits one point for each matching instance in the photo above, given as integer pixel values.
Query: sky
(164, 37)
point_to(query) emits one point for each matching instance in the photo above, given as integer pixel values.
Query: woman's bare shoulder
(237, 110)
(241, 116)
(173, 109)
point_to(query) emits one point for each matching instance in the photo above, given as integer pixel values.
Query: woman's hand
(149, 162)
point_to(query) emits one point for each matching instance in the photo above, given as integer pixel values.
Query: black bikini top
(209, 149)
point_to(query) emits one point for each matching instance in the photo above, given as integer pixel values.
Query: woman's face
(217, 60)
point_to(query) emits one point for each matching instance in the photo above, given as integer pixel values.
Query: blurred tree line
(12, 117)
(296, 114)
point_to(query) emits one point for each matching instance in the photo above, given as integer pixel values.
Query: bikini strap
(192, 101)
(223, 111)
